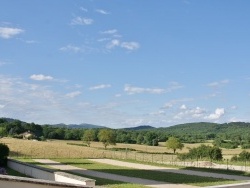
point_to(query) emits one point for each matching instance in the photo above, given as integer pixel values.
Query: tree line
(229, 135)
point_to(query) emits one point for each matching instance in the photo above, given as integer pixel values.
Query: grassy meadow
(76, 149)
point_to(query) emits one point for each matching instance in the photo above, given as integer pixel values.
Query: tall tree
(107, 137)
(174, 144)
(88, 136)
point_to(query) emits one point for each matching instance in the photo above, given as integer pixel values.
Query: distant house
(27, 135)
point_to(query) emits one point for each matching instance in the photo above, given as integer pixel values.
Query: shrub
(243, 156)
(245, 146)
(202, 152)
(4, 153)
(234, 158)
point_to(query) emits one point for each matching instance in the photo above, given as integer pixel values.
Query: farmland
(76, 149)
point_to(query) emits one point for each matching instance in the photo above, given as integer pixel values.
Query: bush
(234, 158)
(202, 152)
(245, 146)
(4, 153)
(243, 156)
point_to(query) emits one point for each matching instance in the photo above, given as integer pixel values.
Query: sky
(126, 63)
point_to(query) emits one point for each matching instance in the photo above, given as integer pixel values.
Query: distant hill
(205, 128)
(9, 119)
(141, 127)
(79, 126)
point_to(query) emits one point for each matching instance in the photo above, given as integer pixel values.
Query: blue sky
(125, 63)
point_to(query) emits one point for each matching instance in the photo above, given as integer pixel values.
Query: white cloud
(31, 41)
(130, 45)
(2, 63)
(71, 48)
(174, 86)
(76, 49)
(112, 31)
(197, 112)
(113, 43)
(167, 106)
(81, 21)
(191, 113)
(8, 32)
(136, 90)
(158, 113)
(183, 107)
(118, 95)
(40, 77)
(233, 107)
(101, 11)
(126, 45)
(219, 112)
(103, 39)
(102, 86)
(83, 9)
(218, 83)
(73, 94)
(234, 119)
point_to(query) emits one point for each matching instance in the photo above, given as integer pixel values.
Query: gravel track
(173, 170)
(146, 182)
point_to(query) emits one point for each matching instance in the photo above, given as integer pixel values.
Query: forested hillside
(233, 134)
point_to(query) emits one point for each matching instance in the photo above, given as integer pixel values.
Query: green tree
(215, 153)
(140, 139)
(88, 136)
(151, 138)
(174, 144)
(107, 137)
(244, 155)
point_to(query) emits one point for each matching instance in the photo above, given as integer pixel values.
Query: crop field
(77, 149)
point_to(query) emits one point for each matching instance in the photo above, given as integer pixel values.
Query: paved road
(73, 169)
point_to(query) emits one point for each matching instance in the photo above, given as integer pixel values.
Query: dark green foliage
(227, 135)
(88, 136)
(202, 152)
(151, 139)
(107, 137)
(243, 156)
(4, 153)
(174, 144)
(245, 146)
(228, 144)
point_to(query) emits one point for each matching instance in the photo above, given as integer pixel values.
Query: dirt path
(173, 170)
(73, 169)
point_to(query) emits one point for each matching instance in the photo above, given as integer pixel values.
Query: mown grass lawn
(99, 181)
(219, 171)
(146, 174)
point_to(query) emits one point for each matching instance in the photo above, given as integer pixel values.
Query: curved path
(73, 169)
(172, 170)
(146, 182)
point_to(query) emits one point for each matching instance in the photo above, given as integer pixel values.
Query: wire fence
(168, 159)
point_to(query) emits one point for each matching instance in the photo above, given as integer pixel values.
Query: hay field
(47, 149)
(62, 149)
